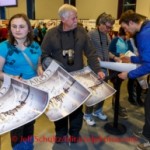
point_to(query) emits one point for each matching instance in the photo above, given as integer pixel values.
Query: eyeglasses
(108, 27)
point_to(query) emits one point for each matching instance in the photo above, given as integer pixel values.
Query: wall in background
(90, 9)
(87, 9)
(21, 8)
(143, 7)
(47, 9)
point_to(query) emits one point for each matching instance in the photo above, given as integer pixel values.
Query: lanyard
(101, 43)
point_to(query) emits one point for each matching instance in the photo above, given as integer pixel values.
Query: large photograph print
(100, 90)
(19, 104)
(65, 93)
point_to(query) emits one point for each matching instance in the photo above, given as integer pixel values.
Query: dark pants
(146, 128)
(134, 90)
(91, 109)
(22, 133)
(75, 124)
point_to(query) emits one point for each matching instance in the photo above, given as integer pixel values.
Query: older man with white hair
(67, 43)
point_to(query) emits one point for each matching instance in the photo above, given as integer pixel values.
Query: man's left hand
(101, 75)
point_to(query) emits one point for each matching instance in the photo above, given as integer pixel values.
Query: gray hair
(104, 18)
(65, 10)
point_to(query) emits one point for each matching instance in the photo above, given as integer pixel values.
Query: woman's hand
(40, 70)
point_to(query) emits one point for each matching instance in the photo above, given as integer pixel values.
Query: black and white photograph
(65, 93)
(19, 104)
(100, 90)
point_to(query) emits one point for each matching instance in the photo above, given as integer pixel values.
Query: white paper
(120, 67)
(125, 67)
(143, 82)
(129, 53)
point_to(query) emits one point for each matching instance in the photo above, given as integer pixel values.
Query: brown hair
(104, 18)
(130, 15)
(121, 32)
(11, 38)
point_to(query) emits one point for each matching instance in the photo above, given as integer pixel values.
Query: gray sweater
(101, 42)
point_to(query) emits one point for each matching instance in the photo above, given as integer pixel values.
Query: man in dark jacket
(66, 43)
(136, 25)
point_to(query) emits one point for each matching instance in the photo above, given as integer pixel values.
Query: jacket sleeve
(135, 59)
(144, 56)
(46, 46)
(92, 57)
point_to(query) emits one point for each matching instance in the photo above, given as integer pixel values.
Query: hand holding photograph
(100, 90)
(65, 93)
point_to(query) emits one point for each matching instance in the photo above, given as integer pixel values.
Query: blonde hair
(65, 9)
